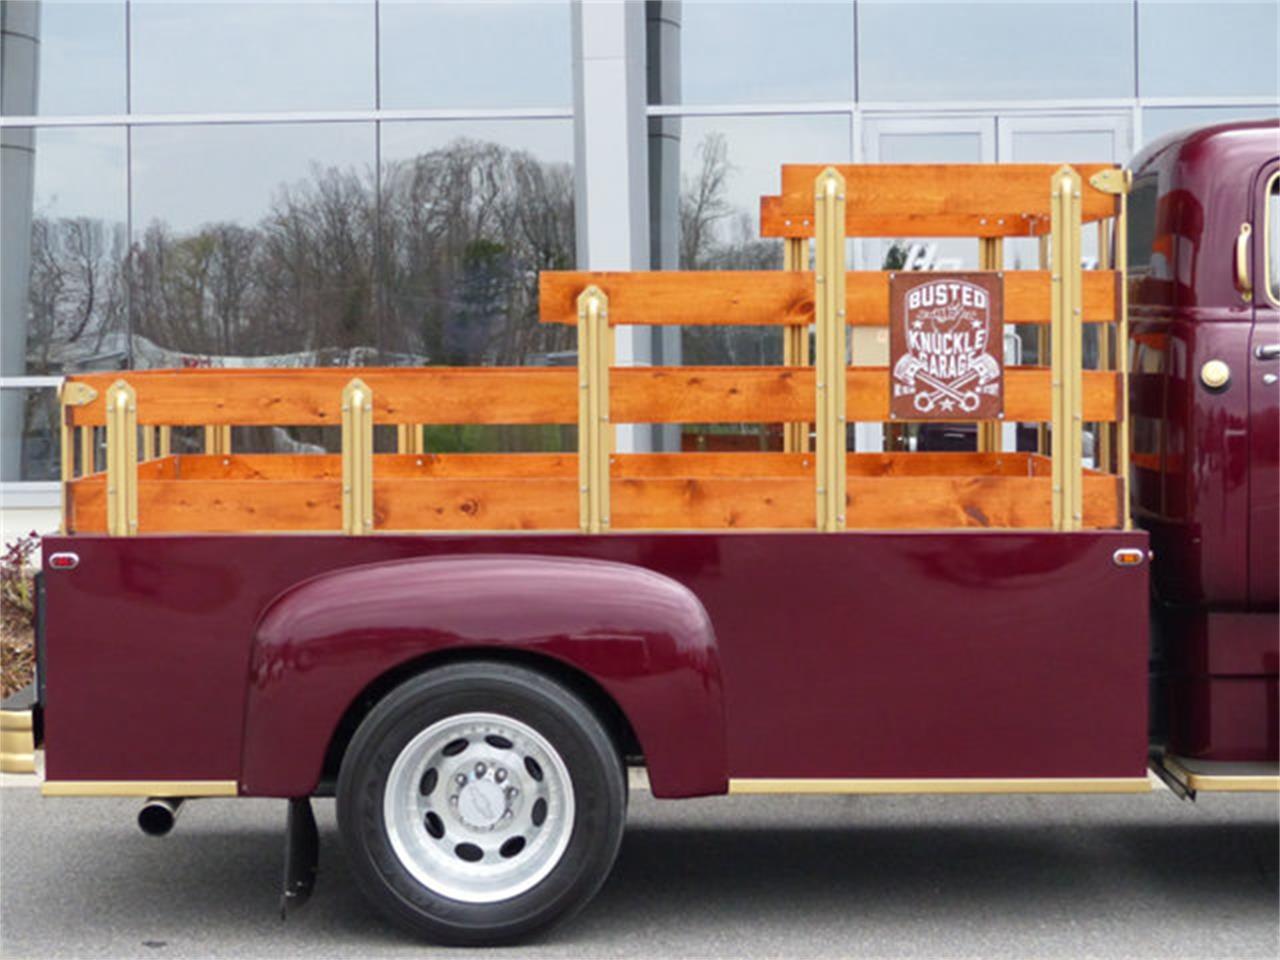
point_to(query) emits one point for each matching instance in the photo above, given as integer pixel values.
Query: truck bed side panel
(949, 654)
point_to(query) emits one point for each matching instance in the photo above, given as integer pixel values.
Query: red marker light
(64, 561)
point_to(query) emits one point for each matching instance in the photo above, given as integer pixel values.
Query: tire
(479, 803)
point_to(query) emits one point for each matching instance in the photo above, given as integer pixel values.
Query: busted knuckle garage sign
(946, 340)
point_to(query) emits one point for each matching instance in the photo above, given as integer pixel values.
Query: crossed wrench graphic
(925, 402)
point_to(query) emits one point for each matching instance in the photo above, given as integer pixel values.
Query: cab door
(1264, 394)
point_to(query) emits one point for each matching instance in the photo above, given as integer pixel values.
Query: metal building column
(611, 194)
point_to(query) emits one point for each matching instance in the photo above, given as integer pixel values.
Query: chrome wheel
(479, 807)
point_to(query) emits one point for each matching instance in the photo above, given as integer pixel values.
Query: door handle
(1243, 283)
(1267, 351)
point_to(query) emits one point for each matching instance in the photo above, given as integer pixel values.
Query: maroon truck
(473, 681)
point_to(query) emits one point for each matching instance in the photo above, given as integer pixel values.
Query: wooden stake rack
(816, 482)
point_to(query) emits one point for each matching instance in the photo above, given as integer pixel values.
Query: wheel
(481, 802)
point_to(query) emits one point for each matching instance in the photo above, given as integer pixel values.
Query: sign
(946, 345)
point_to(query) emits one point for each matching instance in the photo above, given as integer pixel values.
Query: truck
(472, 651)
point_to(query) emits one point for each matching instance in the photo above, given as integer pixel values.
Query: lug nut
(461, 779)
(500, 775)
(480, 768)
(512, 793)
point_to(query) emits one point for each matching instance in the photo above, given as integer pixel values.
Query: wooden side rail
(435, 395)
(935, 200)
(778, 298)
(598, 488)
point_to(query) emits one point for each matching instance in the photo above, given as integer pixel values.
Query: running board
(1218, 776)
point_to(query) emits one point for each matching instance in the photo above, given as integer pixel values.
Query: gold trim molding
(17, 742)
(1222, 782)
(139, 788)
(961, 785)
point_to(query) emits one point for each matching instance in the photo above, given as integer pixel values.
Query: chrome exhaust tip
(158, 815)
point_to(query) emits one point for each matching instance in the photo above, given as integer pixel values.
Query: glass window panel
(253, 245)
(63, 250)
(29, 441)
(1208, 49)
(708, 217)
(191, 57)
(471, 211)
(1159, 121)
(711, 51)
(441, 55)
(63, 58)
(960, 50)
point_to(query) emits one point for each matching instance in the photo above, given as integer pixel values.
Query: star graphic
(946, 405)
(976, 324)
(918, 324)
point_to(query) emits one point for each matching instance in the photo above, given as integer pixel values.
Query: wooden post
(357, 458)
(830, 363)
(122, 460)
(217, 439)
(795, 343)
(595, 433)
(1067, 440)
(990, 257)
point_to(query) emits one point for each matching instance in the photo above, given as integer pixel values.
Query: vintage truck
(470, 650)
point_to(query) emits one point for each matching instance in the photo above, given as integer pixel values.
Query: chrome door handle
(1267, 351)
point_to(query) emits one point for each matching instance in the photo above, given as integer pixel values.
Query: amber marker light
(1128, 557)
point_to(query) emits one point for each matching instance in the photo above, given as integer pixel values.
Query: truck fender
(643, 638)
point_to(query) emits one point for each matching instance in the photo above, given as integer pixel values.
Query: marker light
(64, 561)
(1128, 557)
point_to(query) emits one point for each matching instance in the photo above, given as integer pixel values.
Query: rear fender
(643, 638)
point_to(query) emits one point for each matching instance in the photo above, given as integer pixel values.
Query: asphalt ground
(1071, 876)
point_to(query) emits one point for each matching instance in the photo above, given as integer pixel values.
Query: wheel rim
(479, 807)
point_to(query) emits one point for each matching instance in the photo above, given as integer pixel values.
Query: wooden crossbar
(785, 395)
(776, 298)
(933, 200)
(435, 395)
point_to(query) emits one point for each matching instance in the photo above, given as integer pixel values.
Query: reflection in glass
(35, 456)
(64, 250)
(475, 54)
(1207, 49)
(746, 52)
(1161, 121)
(1005, 51)
(253, 245)
(63, 58)
(470, 213)
(251, 56)
(726, 164)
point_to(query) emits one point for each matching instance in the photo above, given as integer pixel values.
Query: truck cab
(1204, 307)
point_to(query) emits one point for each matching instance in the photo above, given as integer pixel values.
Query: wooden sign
(946, 346)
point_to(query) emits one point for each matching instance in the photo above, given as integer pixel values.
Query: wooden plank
(700, 464)
(700, 297)
(711, 394)
(1026, 395)
(436, 395)
(87, 504)
(685, 503)
(923, 503)
(311, 466)
(682, 297)
(899, 199)
(785, 394)
(476, 504)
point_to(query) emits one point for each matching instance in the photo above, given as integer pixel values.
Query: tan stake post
(595, 431)
(122, 460)
(357, 458)
(830, 362)
(1065, 327)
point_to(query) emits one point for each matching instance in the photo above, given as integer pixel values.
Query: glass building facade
(379, 182)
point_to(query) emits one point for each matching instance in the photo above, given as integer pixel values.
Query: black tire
(599, 790)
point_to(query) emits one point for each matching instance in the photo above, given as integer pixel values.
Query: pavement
(1046, 876)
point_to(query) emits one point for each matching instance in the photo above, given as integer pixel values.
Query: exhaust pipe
(158, 814)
